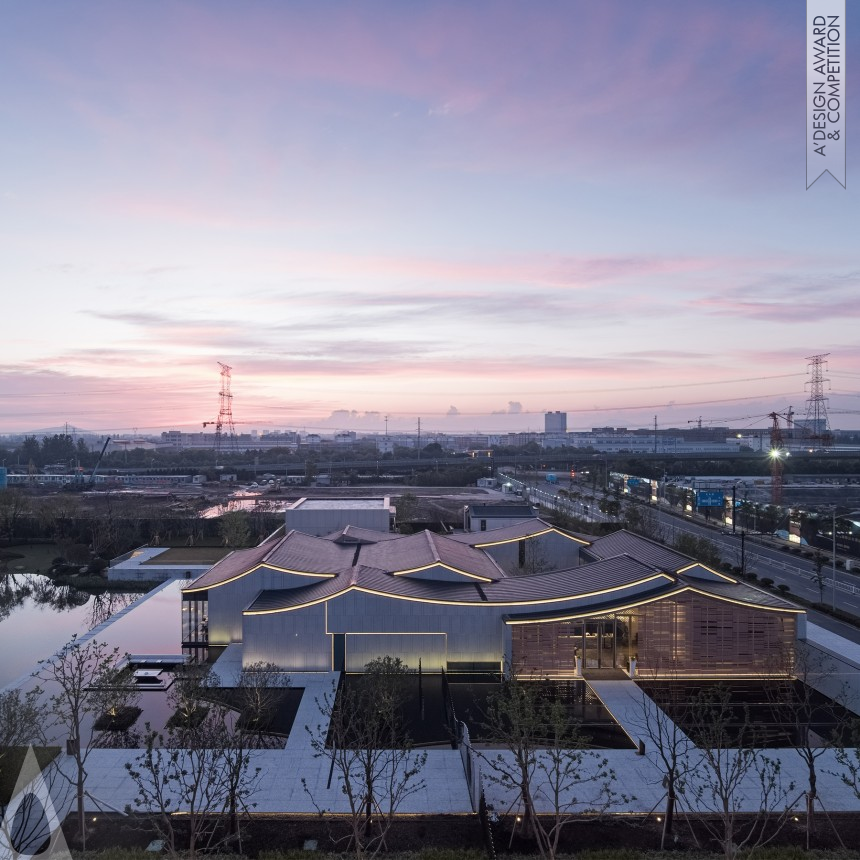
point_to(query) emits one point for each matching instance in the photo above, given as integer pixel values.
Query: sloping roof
(609, 574)
(639, 547)
(295, 552)
(425, 549)
(732, 591)
(743, 593)
(236, 564)
(309, 554)
(573, 584)
(515, 531)
(357, 535)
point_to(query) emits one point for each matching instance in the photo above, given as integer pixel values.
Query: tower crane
(778, 452)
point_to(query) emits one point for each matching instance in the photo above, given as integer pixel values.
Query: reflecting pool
(37, 617)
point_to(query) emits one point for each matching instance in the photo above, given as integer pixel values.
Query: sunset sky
(467, 212)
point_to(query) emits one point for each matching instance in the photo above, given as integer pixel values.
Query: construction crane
(92, 480)
(778, 452)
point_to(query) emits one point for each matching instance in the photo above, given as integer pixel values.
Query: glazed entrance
(550, 649)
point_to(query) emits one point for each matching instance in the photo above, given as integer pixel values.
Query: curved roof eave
(620, 606)
(476, 601)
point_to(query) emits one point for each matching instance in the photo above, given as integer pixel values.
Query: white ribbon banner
(825, 90)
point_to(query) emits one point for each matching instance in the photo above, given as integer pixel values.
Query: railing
(471, 766)
(486, 827)
(450, 712)
(842, 586)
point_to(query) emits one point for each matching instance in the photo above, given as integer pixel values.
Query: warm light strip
(475, 603)
(710, 570)
(446, 566)
(748, 605)
(529, 536)
(616, 609)
(254, 569)
(593, 611)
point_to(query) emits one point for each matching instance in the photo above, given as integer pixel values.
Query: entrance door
(601, 644)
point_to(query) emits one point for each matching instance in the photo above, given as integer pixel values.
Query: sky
(467, 213)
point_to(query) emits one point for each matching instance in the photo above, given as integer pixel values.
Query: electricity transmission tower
(224, 424)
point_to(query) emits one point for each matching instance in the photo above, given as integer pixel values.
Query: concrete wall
(323, 521)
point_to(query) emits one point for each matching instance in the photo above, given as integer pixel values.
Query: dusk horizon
(468, 215)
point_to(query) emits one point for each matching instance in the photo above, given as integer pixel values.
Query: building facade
(528, 595)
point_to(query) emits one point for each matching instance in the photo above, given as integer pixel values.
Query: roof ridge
(277, 545)
(432, 544)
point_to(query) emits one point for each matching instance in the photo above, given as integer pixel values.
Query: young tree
(259, 690)
(818, 577)
(82, 673)
(718, 791)
(204, 772)
(190, 695)
(798, 705)
(675, 753)
(544, 761)
(234, 529)
(370, 751)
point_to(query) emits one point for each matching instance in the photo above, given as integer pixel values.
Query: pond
(37, 617)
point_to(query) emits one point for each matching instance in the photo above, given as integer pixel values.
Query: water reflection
(38, 616)
(15, 588)
(253, 505)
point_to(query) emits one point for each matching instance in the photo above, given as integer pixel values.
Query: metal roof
(516, 531)
(639, 547)
(425, 549)
(574, 584)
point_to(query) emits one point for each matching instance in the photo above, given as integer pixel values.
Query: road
(759, 557)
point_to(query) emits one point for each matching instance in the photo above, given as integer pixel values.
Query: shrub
(783, 588)
(766, 581)
(98, 565)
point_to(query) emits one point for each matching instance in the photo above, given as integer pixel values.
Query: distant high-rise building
(555, 422)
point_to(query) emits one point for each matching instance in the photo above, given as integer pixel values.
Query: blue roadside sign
(710, 499)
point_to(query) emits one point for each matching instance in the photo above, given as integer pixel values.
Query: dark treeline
(108, 525)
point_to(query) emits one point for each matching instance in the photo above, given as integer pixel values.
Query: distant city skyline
(468, 213)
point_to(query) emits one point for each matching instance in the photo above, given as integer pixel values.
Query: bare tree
(731, 775)
(818, 577)
(676, 755)
(544, 762)
(204, 772)
(190, 695)
(260, 689)
(802, 709)
(14, 504)
(81, 674)
(370, 750)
